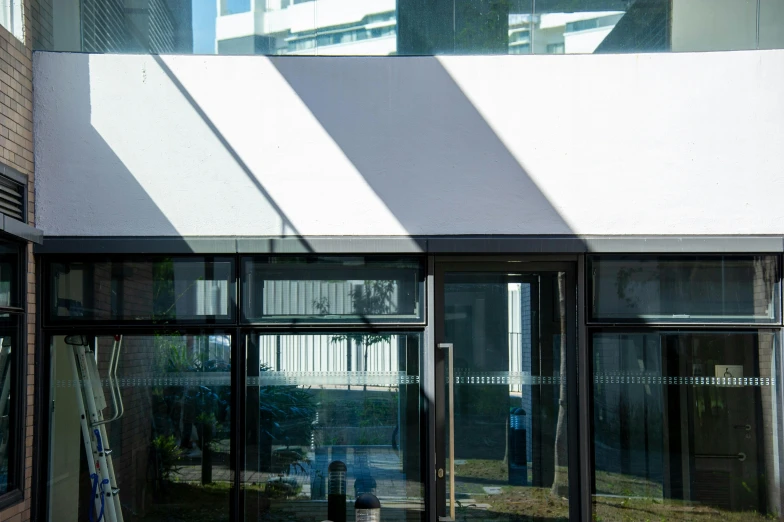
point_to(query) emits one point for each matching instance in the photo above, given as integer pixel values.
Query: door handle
(451, 388)
(739, 456)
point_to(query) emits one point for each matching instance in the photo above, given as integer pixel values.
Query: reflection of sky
(204, 14)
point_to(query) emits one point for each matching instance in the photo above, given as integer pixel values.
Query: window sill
(9, 499)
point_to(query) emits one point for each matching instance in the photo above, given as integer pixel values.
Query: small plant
(168, 455)
(281, 488)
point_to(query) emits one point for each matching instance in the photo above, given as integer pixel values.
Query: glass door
(505, 362)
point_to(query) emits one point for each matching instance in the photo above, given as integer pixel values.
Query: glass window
(318, 399)
(9, 394)
(686, 426)
(408, 27)
(688, 289)
(12, 17)
(9, 276)
(167, 413)
(510, 340)
(164, 290)
(332, 289)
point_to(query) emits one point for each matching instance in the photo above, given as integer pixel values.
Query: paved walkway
(375, 469)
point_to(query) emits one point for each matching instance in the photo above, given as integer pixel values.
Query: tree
(560, 486)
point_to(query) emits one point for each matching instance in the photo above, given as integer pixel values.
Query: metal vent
(11, 199)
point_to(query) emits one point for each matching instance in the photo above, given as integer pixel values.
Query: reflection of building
(333, 26)
(350, 27)
(105, 26)
(560, 33)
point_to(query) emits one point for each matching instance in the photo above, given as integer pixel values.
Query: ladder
(91, 402)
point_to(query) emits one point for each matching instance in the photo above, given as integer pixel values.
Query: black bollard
(518, 452)
(367, 508)
(336, 498)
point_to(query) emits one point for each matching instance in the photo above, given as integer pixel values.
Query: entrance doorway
(505, 378)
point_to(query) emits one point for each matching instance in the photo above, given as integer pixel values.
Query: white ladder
(105, 493)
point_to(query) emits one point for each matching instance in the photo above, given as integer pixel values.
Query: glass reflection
(509, 333)
(344, 289)
(408, 27)
(685, 289)
(170, 444)
(685, 426)
(8, 451)
(332, 414)
(164, 290)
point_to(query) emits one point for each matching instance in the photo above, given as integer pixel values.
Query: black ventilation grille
(11, 199)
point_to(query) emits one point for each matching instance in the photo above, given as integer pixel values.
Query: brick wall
(16, 150)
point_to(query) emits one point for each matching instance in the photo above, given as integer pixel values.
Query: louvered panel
(11, 199)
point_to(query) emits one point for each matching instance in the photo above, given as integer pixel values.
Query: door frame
(578, 420)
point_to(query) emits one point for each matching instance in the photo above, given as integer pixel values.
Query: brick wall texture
(16, 151)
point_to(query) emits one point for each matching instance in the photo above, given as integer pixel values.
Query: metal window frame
(579, 504)
(48, 329)
(46, 292)
(478, 251)
(591, 321)
(358, 321)
(17, 450)
(587, 350)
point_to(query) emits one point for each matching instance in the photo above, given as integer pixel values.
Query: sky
(204, 14)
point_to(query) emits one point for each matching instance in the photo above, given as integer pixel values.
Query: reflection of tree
(165, 298)
(286, 416)
(202, 407)
(372, 298)
(560, 487)
(482, 26)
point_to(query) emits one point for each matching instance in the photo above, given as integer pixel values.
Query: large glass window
(412, 27)
(164, 411)
(9, 396)
(332, 289)
(162, 290)
(686, 289)
(511, 337)
(319, 403)
(686, 425)
(11, 364)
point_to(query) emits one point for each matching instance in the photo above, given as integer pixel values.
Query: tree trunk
(560, 485)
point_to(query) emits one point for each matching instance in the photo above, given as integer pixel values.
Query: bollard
(336, 492)
(518, 452)
(367, 508)
(364, 485)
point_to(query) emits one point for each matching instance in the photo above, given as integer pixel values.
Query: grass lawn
(630, 500)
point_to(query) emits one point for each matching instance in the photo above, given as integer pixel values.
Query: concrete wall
(16, 151)
(616, 144)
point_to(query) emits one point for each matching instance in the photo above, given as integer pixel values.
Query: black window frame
(248, 263)
(592, 326)
(16, 449)
(238, 330)
(593, 321)
(47, 293)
